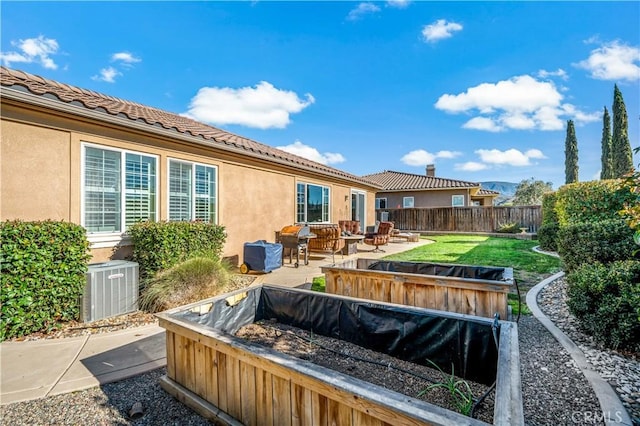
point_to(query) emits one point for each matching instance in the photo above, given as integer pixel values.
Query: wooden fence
(464, 219)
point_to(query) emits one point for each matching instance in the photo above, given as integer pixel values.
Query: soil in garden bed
(374, 367)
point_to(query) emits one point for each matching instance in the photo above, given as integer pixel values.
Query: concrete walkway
(37, 369)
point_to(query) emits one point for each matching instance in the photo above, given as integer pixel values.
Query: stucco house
(407, 190)
(76, 155)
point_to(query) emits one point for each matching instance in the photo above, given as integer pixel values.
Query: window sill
(109, 240)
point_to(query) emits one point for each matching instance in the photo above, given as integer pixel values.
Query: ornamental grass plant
(187, 282)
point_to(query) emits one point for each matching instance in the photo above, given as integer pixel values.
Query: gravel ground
(554, 393)
(105, 406)
(621, 370)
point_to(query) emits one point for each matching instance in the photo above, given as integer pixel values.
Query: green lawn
(529, 267)
(482, 250)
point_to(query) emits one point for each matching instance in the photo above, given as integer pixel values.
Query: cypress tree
(607, 161)
(571, 154)
(621, 154)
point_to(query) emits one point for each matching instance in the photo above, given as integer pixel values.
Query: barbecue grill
(295, 239)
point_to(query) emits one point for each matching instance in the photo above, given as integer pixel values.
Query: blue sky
(481, 89)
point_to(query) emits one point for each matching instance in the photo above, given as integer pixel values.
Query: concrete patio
(289, 275)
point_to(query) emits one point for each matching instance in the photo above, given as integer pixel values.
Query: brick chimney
(431, 170)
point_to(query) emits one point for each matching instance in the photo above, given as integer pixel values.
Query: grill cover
(263, 256)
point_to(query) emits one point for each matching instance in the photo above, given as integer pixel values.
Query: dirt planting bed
(380, 369)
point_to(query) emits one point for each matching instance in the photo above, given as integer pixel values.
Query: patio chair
(380, 237)
(327, 239)
(350, 227)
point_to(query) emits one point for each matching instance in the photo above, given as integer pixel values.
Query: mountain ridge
(507, 190)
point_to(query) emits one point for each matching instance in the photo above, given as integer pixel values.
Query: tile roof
(399, 181)
(116, 108)
(487, 192)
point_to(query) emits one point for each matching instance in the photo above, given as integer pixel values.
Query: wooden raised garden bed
(234, 381)
(465, 289)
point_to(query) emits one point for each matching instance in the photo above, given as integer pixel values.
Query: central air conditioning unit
(111, 290)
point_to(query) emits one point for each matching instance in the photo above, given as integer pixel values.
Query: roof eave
(451, 188)
(44, 102)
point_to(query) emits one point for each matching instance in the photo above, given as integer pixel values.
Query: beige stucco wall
(254, 204)
(44, 152)
(34, 173)
(433, 198)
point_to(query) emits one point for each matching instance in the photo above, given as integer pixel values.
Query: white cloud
(520, 103)
(262, 106)
(482, 123)
(448, 154)
(398, 4)
(613, 61)
(125, 58)
(518, 121)
(535, 153)
(298, 148)
(511, 157)
(420, 157)
(38, 50)
(440, 30)
(361, 10)
(560, 73)
(108, 75)
(596, 175)
(471, 166)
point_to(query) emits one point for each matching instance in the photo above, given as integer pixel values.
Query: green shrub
(187, 282)
(548, 236)
(42, 274)
(508, 228)
(549, 215)
(590, 201)
(161, 245)
(605, 241)
(606, 301)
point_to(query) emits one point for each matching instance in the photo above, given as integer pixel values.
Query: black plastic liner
(443, 270)
(413, 334)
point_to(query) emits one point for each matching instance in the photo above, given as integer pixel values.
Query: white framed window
(407, 202)
(457, 200)
(119, 188)
(312, 203)
(192, 192)
(381, 203)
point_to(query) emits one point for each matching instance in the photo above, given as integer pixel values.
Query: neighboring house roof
(487, 193)
(400, 181)
(126, 113)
